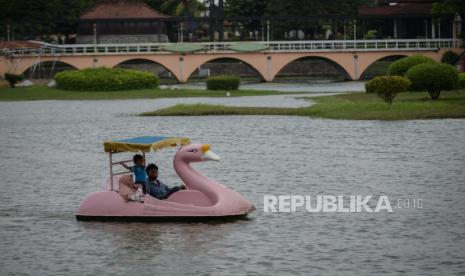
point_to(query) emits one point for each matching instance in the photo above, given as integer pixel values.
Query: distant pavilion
(405, 19)
(122, 21)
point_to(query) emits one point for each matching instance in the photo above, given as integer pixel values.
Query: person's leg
(139, 192)
(171, 191)
(145, 188)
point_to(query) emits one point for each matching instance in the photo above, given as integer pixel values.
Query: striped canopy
(144, 143)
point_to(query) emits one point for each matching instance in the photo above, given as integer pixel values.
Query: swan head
(197, 153)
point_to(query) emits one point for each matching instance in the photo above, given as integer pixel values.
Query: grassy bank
(407, 106)
(41, 92)
(206, 109)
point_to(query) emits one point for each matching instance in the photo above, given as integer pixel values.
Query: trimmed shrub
(105, 79)
(462, 80)
(387, 87)
(223, 83)
(432, 77)
(450, 57)
(401, 66)
(13, 79)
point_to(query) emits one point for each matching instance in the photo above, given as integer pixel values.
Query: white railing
(217, 47)
(362, 45)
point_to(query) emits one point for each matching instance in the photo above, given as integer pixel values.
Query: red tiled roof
(19, 44)
(397, 10)
(122, 9)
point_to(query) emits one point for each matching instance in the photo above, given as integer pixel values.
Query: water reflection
(311, 87)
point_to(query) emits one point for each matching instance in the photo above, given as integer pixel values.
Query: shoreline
(42, 92)
(348, 105)
(355, 106)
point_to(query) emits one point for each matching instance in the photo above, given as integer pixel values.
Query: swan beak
(208, 154)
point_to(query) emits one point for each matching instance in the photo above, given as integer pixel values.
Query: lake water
(52, 157)
(311, 87)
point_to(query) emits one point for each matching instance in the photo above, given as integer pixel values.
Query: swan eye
(193, 150)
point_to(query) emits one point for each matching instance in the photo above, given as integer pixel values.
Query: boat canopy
(144, 143)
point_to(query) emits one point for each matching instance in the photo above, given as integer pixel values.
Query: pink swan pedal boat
(203, 199)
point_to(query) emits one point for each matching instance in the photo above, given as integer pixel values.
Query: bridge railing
(362, 45)
(216, 47)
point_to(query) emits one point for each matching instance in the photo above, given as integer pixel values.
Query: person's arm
(164, 185)
(182, 187)
(126, 166)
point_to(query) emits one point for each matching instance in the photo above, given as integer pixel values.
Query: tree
(450, 8)
(433, 77)
(387, 87)
(13, 79)
(246, 8)
(401, 66)
(182, 7)
(28, 19)
(450, 57)
(462, 80)
(304, 8)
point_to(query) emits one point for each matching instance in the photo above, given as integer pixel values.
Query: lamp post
(457, 29)
(439, 28)
(181, 32)
(344, 35)
(268, 31)
(94, 30)
(458, 21)
(8, 32)
(220, 18)
(355, 29)
(426, 28)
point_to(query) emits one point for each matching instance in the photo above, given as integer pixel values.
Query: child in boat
(156, 188)
(139, 175)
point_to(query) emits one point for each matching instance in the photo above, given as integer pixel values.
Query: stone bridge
(267, 58)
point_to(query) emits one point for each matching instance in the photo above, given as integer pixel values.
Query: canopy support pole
(111, 170)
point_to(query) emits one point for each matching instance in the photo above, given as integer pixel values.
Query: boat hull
(212, 219)
(109, 205)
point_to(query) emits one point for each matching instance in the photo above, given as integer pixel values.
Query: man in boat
(155, 187)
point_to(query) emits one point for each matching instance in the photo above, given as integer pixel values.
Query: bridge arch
(334, 66)
(342, 61)
(46, 69)
(372, 69)
(193, 65)
(166, 61)
(146, 64)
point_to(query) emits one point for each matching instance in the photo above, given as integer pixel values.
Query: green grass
(42, 92)
(407, 106)
(360, 106)
(206, 109)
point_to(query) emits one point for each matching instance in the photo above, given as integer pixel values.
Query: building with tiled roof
(18, 45)
(405, 19)
(122, 21)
